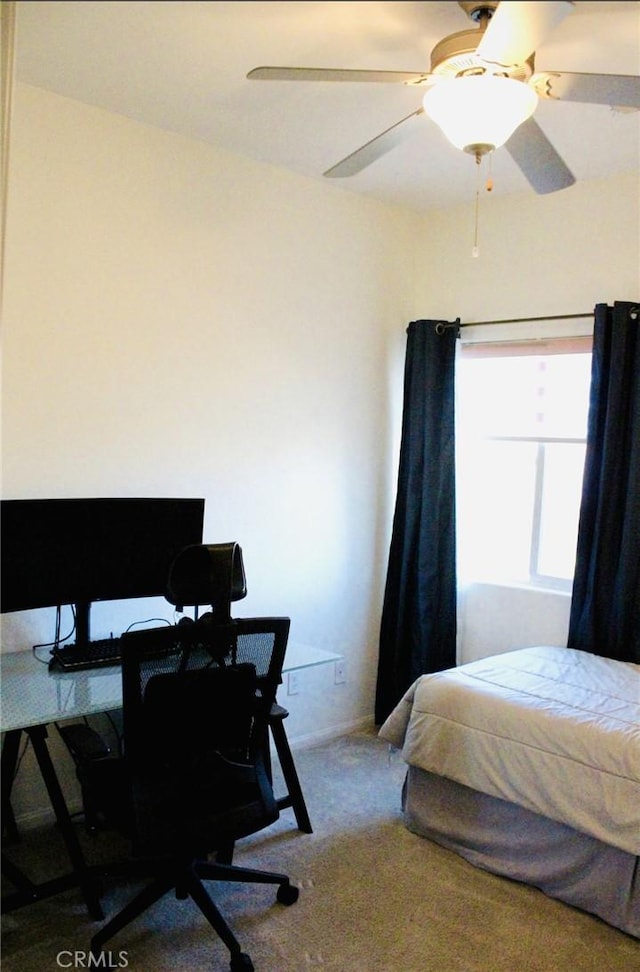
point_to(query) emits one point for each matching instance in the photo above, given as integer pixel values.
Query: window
(521, 432)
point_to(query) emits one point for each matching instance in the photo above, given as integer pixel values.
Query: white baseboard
(35, 819)
(310, 739)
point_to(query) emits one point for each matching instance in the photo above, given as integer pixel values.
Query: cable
(57, 640)
(148, 621)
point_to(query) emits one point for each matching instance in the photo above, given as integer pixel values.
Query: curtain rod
(527, 320)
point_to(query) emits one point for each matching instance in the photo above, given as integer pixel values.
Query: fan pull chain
(475, 250)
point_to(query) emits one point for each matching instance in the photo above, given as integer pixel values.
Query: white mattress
(554, 730)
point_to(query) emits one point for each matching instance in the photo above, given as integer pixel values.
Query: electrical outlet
(293, 683)
(340, 672)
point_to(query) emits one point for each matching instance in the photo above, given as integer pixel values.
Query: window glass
(495, 490)
(529, 396)
(560, 509)
(521, 431)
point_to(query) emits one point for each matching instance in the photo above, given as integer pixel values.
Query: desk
(32, 697)
(306, 656)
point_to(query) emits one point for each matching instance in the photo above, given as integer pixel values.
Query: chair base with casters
(192, 779)
(185, 878)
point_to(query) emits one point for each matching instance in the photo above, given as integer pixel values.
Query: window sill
(515, 586)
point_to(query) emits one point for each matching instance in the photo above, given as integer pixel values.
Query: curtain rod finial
(442, 326)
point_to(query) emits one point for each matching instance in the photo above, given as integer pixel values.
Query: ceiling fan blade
(616, 90)
(516, 29)
(536, 157)
(374, 149)
(334, 74)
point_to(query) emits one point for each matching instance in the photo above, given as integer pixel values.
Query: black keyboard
(95, 654)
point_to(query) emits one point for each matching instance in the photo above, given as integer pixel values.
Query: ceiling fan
(482, 90)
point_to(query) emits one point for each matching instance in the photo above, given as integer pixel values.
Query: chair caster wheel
(287, 894)
(241, 962)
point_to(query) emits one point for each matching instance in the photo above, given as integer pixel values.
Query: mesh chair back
(204, 644)
(145, 654)
(194, 729)
(261, 642)
(193, 716)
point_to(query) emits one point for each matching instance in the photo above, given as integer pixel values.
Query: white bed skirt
(525, 846)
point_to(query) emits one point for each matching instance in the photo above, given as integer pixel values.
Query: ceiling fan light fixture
(479, 112)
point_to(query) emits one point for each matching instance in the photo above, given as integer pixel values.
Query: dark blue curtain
(418, 627)
(605, 605)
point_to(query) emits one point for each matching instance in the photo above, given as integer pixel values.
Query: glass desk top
(31, 695)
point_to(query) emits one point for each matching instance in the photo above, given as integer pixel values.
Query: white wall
(180, 321)
(539, 255)
(493, 618)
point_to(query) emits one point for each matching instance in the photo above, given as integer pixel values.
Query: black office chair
(193, 778)
(214, 575)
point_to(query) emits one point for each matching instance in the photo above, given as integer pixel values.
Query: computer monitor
(76, 551)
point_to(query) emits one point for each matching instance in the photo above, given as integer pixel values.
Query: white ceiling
(182, 66)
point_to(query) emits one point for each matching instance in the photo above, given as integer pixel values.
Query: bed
(527, 764)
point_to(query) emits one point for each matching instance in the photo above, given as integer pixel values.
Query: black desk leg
(295, 797)
(80, 876)
(10, 747)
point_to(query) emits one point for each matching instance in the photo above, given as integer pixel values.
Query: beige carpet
(374, 898)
